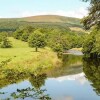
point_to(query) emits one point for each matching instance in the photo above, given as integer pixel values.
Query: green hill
(10, 24)
(52, 18)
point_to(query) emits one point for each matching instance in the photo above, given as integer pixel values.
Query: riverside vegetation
(32, 48)
(29, 49)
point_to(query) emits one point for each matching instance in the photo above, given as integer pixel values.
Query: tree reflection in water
(34, 93)
(91, 68)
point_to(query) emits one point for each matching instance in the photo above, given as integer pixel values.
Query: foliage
(17, 34)
(37, 40)
(60, 40)
(93, 17)
(91, 46)
(58, 47)
(4, 42)
(24, 37)
(4, 63)
(26, 32)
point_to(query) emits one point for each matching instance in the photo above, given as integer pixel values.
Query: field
(25, 57)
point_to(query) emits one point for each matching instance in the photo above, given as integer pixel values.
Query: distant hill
(45, 18)
(52, 18)
(10, 24)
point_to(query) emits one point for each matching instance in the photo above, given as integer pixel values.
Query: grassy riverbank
(25, 58)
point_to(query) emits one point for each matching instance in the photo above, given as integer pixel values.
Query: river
(77, 79)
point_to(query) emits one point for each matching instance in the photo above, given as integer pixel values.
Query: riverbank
(25, 58)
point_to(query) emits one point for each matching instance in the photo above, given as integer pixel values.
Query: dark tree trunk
(36, 49)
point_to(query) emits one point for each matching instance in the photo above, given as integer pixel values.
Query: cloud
(77, 77)
(80, 13)
(26, 13)
(0, 16)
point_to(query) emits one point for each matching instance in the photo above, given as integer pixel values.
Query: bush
(5, 43)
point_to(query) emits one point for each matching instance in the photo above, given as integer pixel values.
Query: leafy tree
(25, 36)
(37, 40)
(18, 33)
(58, 48)
(93, 17)
(4, 42)
(23, 33)
(91, 46)
(58, 41)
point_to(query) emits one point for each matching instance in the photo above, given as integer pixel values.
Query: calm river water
(77, 79)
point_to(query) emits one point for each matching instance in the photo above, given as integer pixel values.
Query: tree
(58, 40)
(26, 32)
(37, 40)
(58, 47)
(4, 42)
(91, 46)
(18, 33)
(93, 17)
(25, 36)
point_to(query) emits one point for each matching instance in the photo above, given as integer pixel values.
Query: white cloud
(80, 13)
(77, 77)
(26, 13)
(0, 16)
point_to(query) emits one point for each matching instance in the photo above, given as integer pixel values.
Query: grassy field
(23, 57)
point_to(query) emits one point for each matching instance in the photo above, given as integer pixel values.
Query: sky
(24, 8)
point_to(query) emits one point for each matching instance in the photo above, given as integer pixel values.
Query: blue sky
(23, 8)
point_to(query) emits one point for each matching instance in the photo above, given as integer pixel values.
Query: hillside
(52, 18)
(45, 18)
(10, 24)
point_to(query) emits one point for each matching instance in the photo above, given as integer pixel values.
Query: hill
(10, 24)
(52, 18)
(45, 18)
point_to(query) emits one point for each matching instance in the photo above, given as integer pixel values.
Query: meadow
(24, 57)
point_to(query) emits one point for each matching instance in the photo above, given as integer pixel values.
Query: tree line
(58, 39)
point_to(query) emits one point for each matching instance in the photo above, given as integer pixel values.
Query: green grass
(23, 57)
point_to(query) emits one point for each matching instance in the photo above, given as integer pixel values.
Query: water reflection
(36, 93)
(60, 83)
(91, 68)
(32, 93)
(71, 65)
(38, 80)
